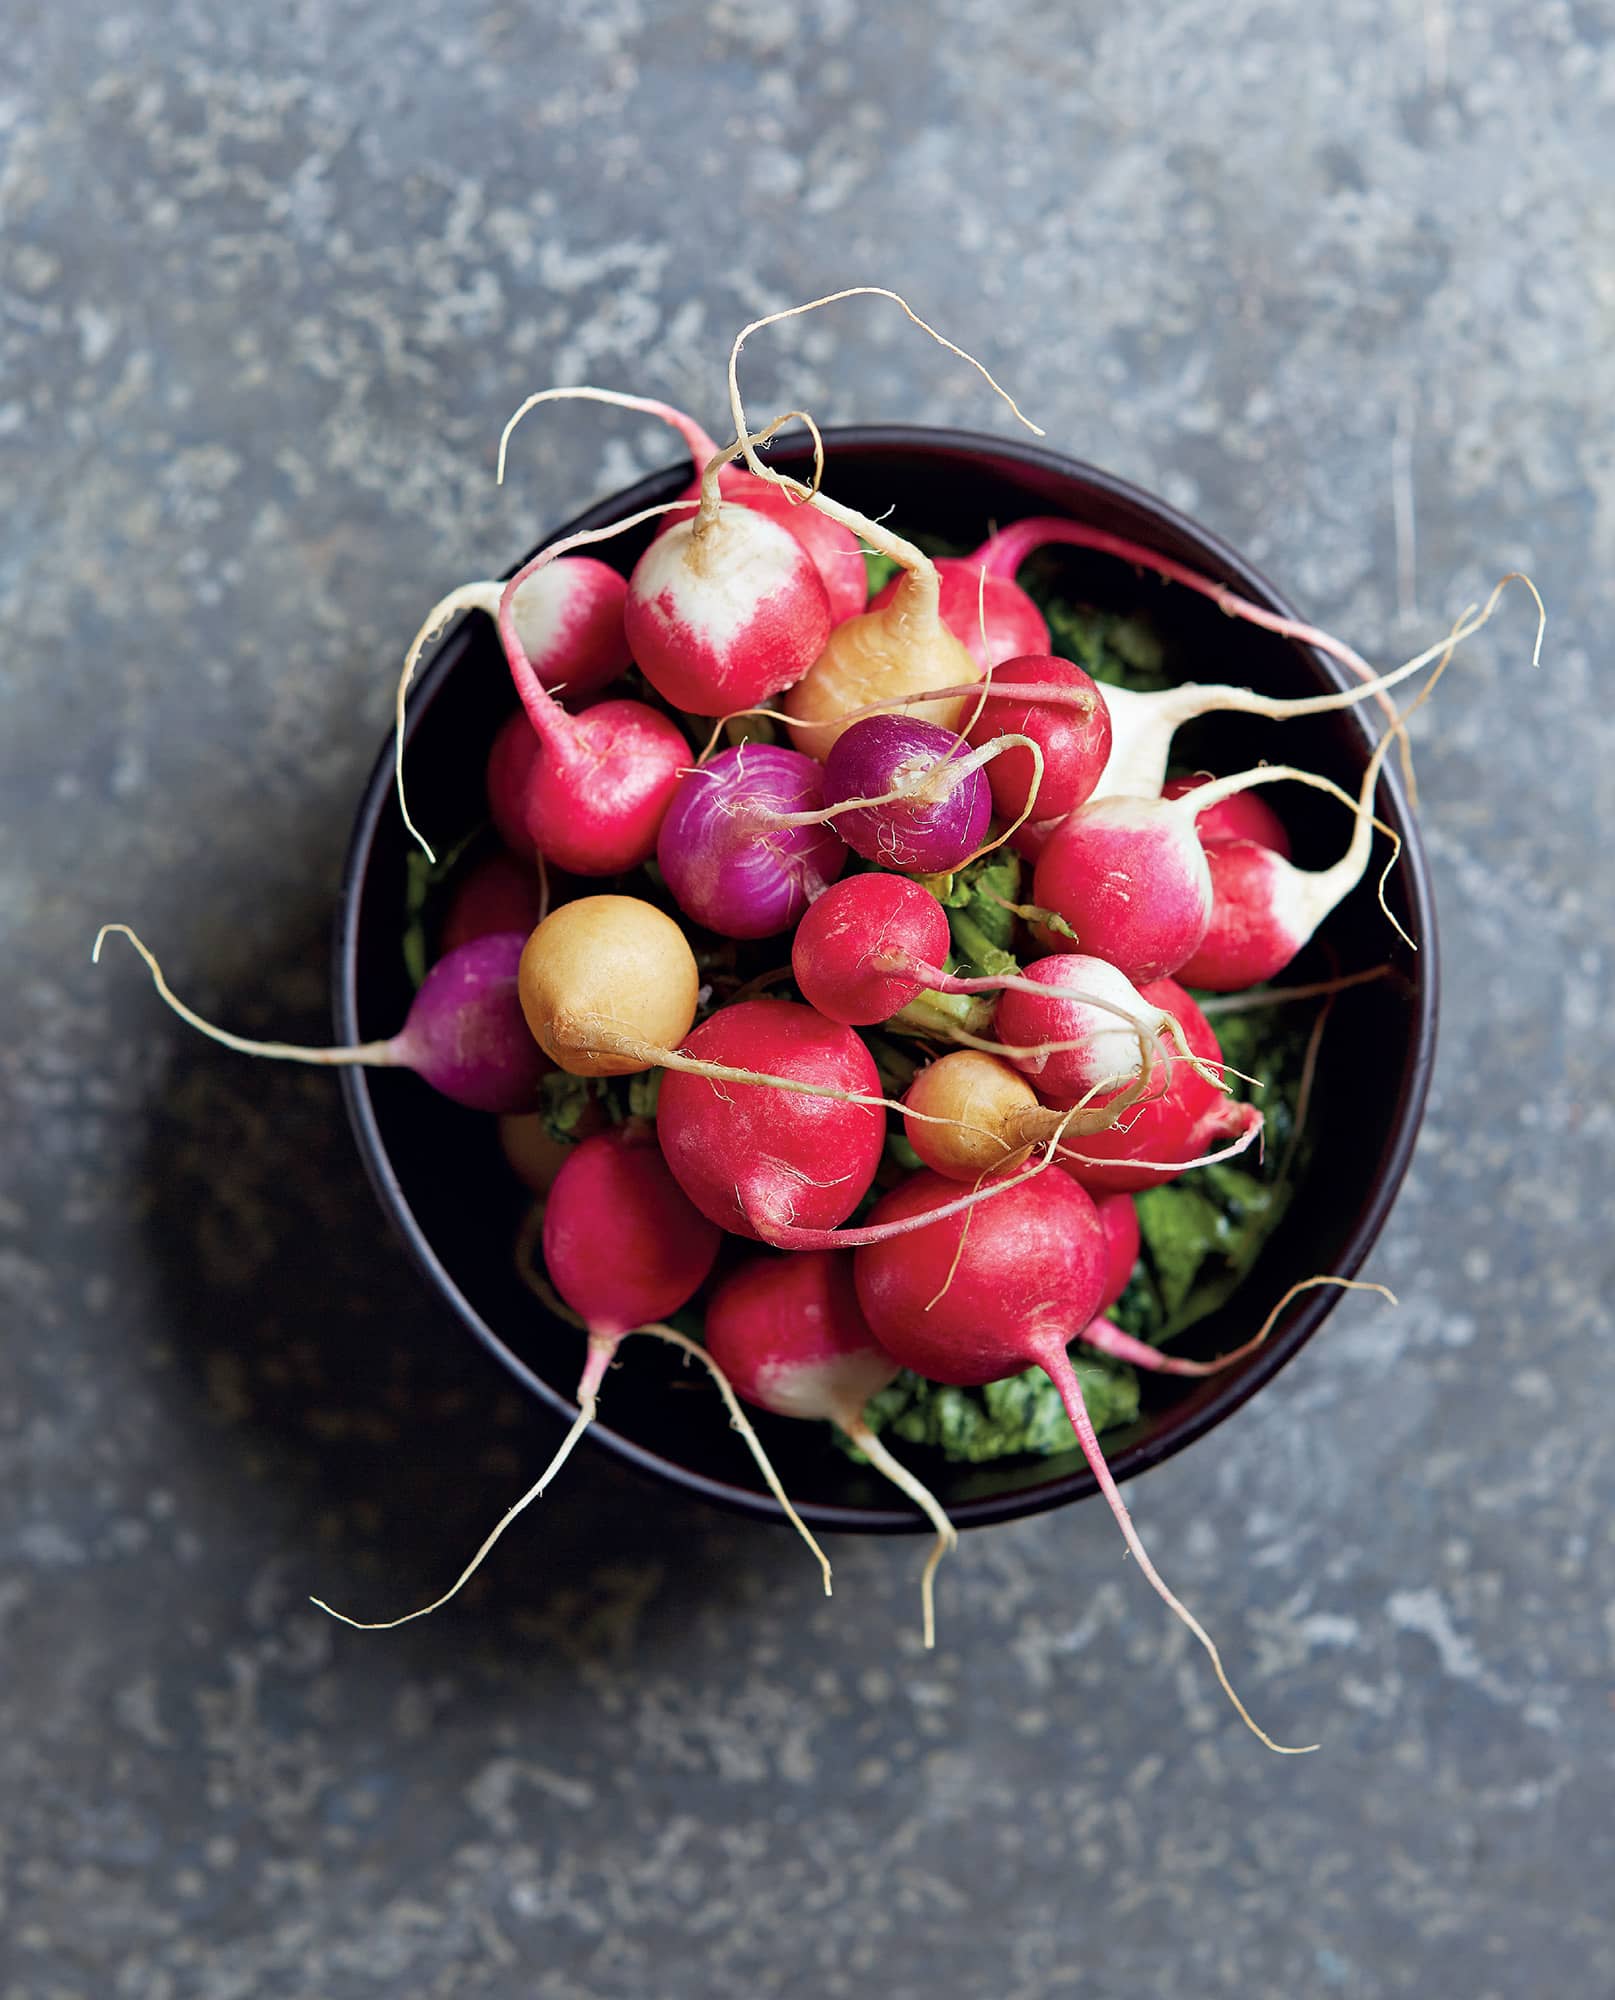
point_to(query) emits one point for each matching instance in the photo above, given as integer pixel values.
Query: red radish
(1119, 1220)
(974, 1304)
(464, 1033)
(1030, 839)
(1073, 735)
(770, 1118)
(833, 549)
(1162, 1136)
(499, 894)
(904, 648)
(1246, 816)
(622, 1248)
(511, 763)
(1264, 909)
(992, 617)
(789, 1334)
(725, 610)
(744, 847)
(757, 1161)
(1129, 874)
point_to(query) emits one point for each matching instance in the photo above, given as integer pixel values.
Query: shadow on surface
(391, 1442)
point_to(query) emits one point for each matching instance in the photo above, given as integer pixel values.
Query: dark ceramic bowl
(444, 1183)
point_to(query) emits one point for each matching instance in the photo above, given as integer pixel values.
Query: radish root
(852, 1423)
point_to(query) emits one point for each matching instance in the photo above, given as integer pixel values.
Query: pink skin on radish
(1245, 816)
(1099, 1045)
(623, 1245)
(762, 1162)
(1119, 1220)
(734, 849)
(569, 618)
(791, 1337)
(1264, 909)
(499, 894)
(1073, 734)
(976, 1304)
(511, 762)
(1129, 875)
(725, 610)
(833, 549)
(1190, 1119)
(1012, 622)
(464, 1034)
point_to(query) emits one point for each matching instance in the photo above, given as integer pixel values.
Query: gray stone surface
(270, 279)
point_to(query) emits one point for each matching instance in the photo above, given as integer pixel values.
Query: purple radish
(464, 1033)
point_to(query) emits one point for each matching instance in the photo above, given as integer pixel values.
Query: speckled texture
(270, 280)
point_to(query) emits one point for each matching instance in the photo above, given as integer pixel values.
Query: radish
(1118, 1217)
(904, 648)
(725, 610)
(833, 549)
(498, 894)
(531, 1153)
(1072, 733)
(1130, 876)
(974, 1304)
(1264, 909)
(1049, 1027)
(789, 1334)
(608, 984)
(464, 1033)
(622, 1248)
(770, 1118)
(744, 847)
(1189, 1124)
(909, 795)
(1246, 816)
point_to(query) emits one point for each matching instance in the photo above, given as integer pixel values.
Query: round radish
(569, 618)
(464, 1033)
(1118, 1217)
(974, 1304)
(789, 1334)
(744, 848)
(1073, 733)
(498, 894)
(923, 801)
(607, 983)
(1190, 1119)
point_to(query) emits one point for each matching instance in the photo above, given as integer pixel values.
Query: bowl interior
(441, 1177)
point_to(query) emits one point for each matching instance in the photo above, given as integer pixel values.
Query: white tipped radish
(833, 549)
(791, 1337)
(464, 1033)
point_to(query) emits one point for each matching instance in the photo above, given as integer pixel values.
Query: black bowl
(442, 1180)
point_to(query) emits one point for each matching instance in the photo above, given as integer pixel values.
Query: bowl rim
(1230, 1393)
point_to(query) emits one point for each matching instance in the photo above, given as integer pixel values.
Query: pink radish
(622, 1248)
(512, 759)
(745, 847)
(1130, 877)
(1264, 909)
(498, 894)
(1096, 1046)
(975, 1303)
(833, 549)
(1162, 1136)
(789, 1334)
(1073, 734)
(1119, 1219)
(464, 1033)
(1246, 816)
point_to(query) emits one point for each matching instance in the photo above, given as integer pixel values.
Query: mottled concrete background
(270, 279)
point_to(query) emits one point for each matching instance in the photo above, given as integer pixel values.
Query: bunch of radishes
(921, 729)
